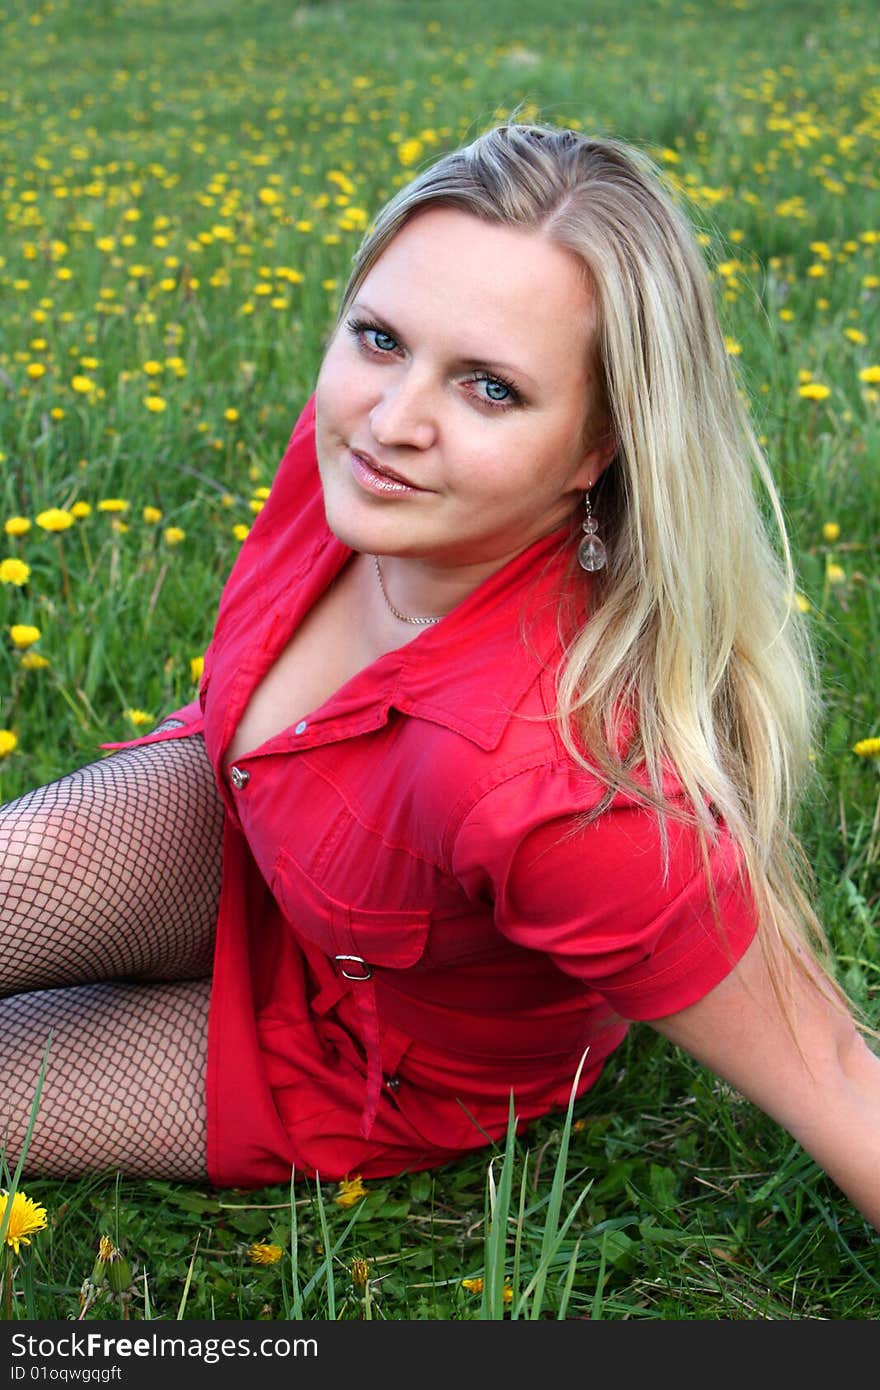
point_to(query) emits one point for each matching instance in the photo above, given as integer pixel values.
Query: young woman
(498, 742)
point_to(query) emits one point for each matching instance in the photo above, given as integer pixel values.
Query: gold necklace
(404, 617)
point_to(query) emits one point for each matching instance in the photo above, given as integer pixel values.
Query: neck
(419, 588)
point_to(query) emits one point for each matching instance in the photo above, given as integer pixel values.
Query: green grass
(163, 163)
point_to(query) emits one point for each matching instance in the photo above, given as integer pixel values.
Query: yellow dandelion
(472, 1285)
(855, 335)
(152, 368)
(261, 1253)
(231, 415)
(83, 385)
(24, 635)
(830, 532)
(113, 504)
(870, 374)
(26, 1216)
(35, 370)
(139, 717)
(408, 151)
(16, 526)
(732, 347)
(33, 661)
(867, 748)
(802, 603)
(155, 404)
(54, 519)
(360, 1273)
(174, 535)
(814, 391)
(351, 1190)
(81, 510)
(14, 571)
(196, 667)
(151, 515)
(835, 574)
(240, 532)
(8, 744)
(112, 1266)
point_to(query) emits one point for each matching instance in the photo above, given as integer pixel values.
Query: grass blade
(495, 1237)
(554, 1206)
(328, 1254)
(189, 1274)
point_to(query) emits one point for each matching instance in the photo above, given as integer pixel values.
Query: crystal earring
(591, 551)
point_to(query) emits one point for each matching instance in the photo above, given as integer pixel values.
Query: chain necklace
(404, 617)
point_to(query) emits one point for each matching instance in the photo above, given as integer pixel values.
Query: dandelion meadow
(184, 189)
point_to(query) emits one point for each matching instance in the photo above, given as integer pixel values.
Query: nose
(403, 414)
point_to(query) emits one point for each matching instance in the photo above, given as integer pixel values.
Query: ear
(594, 462)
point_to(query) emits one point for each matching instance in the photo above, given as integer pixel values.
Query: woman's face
(454, 402)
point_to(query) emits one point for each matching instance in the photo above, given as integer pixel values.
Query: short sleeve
(651, 938)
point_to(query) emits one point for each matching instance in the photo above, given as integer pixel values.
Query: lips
(392, 480)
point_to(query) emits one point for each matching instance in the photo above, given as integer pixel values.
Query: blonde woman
(498, 745)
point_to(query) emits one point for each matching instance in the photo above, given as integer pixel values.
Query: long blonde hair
(693, 626)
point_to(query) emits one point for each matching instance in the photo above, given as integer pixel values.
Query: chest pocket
(352, 942)
(358, 938)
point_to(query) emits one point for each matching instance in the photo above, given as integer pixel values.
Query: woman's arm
(823, 1088)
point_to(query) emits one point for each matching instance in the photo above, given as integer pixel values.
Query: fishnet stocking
(113, 870)
(124, 1085)
(111, 873)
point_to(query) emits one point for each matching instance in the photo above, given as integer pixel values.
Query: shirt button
(301, 727)
(393, 1083)
(239, 778)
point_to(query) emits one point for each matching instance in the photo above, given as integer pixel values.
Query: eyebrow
(469, 363)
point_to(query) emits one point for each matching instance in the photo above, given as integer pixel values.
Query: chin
(351, 529)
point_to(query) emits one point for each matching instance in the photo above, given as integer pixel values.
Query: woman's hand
(817, 1078)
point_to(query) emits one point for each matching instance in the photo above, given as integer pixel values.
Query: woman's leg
(112, 871)
(125, 1081)
(111, 875)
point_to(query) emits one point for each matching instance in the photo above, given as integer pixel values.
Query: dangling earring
(591, 551)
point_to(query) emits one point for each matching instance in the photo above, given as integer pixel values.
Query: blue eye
(371, 337)
(497, 391)
(383, 341)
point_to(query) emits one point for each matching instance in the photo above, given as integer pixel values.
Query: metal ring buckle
(360, 960)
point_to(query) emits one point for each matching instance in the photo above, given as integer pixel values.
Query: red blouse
(414, 921)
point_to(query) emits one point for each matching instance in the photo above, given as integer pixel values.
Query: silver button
(301, 727)
(239, 778)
